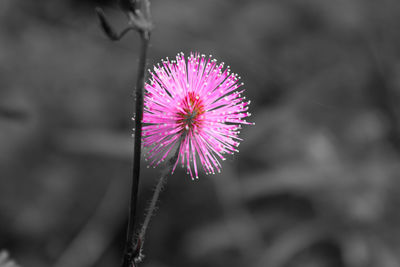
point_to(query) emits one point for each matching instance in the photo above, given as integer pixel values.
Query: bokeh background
(316, 182)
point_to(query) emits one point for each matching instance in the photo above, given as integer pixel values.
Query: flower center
(189, 115)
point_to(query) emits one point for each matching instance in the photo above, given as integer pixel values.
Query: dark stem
(131, 245)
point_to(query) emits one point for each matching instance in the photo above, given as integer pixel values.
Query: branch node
(105, 25)
(137, 21)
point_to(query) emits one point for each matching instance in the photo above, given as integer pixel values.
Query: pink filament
(196, 107)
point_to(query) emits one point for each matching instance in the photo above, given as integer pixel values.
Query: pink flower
(195, 107)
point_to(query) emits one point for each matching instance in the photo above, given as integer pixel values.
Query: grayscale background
(317, 179)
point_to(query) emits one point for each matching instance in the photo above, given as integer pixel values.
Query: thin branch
(153, 203)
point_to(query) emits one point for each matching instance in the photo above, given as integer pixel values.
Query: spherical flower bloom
(195, 107)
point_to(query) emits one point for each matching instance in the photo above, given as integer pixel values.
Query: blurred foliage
(5, 261)
(316, 180)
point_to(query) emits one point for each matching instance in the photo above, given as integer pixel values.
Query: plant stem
(152, 205)
(130, 246)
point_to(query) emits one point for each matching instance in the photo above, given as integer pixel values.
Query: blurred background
(316, 182)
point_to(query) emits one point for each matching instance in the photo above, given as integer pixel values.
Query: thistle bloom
(195, 107)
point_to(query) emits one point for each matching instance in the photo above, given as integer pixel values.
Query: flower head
(195, 106)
